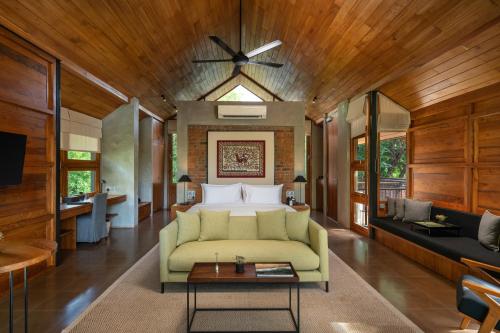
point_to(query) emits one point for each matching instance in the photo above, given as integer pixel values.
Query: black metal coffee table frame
(444, 227)
(190, 319)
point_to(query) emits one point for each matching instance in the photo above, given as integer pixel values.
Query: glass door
(359, 188)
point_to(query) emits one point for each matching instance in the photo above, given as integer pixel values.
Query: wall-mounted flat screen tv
(13, 149)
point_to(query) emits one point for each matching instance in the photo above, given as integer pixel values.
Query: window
(240, 94)
(80, 172)
(82, 181)
(359, 149)
(80, 155)
(360, 181)
(393, 163)
(174, 158)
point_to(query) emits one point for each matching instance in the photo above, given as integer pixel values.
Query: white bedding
(240, 209)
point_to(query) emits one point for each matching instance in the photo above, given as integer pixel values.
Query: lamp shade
(184, 179)
(300, 179)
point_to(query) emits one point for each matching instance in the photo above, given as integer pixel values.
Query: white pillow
(262, 194)
(214, 194)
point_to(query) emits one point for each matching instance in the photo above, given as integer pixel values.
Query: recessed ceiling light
(315, 99)
(164, 99)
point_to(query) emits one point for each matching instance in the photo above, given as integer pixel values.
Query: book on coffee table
(273, 270)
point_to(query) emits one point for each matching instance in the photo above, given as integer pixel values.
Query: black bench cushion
(468, 222)
(452, 247)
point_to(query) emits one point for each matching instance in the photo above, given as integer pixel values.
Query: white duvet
(240, 209)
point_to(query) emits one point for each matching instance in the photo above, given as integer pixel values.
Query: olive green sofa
(309, 260)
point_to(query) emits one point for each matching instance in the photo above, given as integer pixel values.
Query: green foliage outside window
(80, 155)
(174, 158)
(80, 181)
(393, 158)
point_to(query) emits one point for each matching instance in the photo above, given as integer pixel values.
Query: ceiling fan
(239, 58)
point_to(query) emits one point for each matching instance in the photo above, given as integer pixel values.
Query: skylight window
(240, 94)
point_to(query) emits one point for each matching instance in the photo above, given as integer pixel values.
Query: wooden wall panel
(158, 152)
(27, 106)
(454, 152)
(443, 185)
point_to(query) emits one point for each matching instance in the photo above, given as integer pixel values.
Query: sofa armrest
(168, 243)
(319, 244)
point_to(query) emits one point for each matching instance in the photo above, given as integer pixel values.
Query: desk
(68, 219)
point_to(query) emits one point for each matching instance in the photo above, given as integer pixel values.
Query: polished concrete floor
(60, 294)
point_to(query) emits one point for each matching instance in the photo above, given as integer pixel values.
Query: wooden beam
(94, 80)
(155, 116)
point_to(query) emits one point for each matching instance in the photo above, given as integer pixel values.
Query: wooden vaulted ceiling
(332, 49)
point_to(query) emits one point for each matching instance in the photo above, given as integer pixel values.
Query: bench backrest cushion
(469, 222)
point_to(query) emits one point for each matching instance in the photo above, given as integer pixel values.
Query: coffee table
(204, 273)
(433, 227)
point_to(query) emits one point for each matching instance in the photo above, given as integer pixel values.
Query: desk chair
(478, 296)
(91, 228)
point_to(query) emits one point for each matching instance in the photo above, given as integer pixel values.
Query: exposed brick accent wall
(283, 153)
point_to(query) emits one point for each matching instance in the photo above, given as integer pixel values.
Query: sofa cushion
(469, 303)
(391, 207)
(448, 245)
(272, 224)
(416, 210)
(489, 231)
(243, 227)
(299, 254)
(297, 226)
(214, 225)
(189, 227)
(400, 209)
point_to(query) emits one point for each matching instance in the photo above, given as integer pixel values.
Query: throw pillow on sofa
(214, 225)
(489, 231)
(297, 226)
(400, 209)
(272, 224)
(188, 227)
(391, 207)
(416, 210)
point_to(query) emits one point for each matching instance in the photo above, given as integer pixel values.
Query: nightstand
(179, 208)
(301, 207)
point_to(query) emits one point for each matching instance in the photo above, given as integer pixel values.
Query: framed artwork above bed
(240, 157)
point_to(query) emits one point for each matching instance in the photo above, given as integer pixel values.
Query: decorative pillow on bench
(416, 210)
(489, 231)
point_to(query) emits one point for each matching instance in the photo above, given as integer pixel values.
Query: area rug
(134, 304)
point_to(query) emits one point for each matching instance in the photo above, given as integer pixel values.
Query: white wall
(205, 113)
(119, 160)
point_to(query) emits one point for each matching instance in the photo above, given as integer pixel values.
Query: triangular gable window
(240, 94)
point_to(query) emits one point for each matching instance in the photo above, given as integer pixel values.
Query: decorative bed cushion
(272, 224)
(400, 209)
(391, 207)
(189, 227)
(416, 210)
(214, 225)
(262, 194)
(489, 231)
(214, 194)
(297, 226)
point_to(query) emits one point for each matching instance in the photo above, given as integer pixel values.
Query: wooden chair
(478, 296)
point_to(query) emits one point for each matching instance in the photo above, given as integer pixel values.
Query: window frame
(68, 165)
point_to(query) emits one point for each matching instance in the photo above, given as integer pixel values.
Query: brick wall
(283, 154)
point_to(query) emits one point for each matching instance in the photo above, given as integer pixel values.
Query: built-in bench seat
(449, 246)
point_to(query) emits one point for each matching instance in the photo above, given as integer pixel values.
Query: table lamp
(300, 179)
(184, 179)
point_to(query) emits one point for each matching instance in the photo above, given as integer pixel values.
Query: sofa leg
(465, 323)
(163, 287)
(327, 287)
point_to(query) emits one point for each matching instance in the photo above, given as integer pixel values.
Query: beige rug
(133, 304)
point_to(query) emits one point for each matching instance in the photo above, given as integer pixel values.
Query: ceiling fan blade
(211, 60)
(236, 70)
(265, 63)
(219, 42)
(263, 48)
